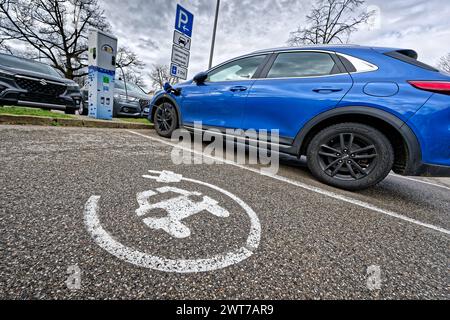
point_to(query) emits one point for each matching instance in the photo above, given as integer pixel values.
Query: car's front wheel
(70, 111)
(83, 110)
(350, 156)
(165, 120)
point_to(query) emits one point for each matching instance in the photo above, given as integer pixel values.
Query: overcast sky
(146, 26)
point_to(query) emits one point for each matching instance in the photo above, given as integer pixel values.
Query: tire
(70, 111)
(350, 156)
(115, 110)
(83, 110)
(165, 120)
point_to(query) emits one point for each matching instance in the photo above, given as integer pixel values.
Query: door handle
(238, 89)
(327, 90)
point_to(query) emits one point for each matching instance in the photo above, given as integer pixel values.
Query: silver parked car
(129, 100)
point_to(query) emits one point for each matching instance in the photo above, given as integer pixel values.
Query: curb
(85, 123)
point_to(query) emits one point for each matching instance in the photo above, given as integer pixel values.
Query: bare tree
(159, 75)
(444, 63)
(135, 77)
(127, 58)
(131, 65)
(4, 47)
(331, 21)
(56, 31)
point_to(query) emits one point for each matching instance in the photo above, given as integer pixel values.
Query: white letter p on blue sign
(184, 21)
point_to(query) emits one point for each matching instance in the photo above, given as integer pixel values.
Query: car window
(135, 88)
(302, 64)
(25, 64)
(119, 84)
(410, 57)
(242, 69)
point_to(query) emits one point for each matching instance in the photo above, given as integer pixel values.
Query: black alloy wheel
(165, 120)
(350, 156)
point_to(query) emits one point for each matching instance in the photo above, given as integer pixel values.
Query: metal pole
(214, 35)
(124, 81)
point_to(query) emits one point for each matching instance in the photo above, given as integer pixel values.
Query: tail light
(432, 86)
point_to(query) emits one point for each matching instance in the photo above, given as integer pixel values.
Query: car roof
(2, 54)
(27, 71)
(327, 47)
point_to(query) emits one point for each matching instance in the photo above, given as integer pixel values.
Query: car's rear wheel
(165, 120)
(350, 156)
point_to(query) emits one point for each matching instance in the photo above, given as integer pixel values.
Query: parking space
(112, 205)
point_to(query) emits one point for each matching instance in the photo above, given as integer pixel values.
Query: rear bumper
(431, 125)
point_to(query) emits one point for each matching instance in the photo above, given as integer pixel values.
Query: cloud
(420, 25)
(244, 26)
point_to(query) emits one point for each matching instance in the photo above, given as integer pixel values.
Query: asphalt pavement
(100, 213)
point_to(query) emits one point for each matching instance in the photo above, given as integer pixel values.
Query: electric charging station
(102, 70)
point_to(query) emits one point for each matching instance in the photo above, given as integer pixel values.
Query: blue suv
(356, 112)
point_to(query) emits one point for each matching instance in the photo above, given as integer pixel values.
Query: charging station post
(102, 70)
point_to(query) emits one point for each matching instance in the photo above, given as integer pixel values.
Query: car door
(220, 100)
(296, 87)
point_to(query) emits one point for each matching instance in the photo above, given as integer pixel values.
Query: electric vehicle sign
(175, 208)
(184, 21)
(181, 40)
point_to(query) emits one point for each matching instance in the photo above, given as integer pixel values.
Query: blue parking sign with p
(184, 21)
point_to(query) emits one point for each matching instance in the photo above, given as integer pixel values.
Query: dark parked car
(25, 82)
(129, 101)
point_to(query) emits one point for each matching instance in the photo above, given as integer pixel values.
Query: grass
(135, 120)
(22, 111)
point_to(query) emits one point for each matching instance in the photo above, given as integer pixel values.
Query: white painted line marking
(305, 186)
(420, 181)
(142, 259)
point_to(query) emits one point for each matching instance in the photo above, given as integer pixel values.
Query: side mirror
(201, 77)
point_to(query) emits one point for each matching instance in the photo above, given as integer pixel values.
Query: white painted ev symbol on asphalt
(178, 209)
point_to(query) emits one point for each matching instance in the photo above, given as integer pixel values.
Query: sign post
(184, 23)
(102, 69)
(213, 43)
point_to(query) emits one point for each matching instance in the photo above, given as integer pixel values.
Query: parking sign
(184, 21)
(178, 72)
(181, 40)
(180, 56)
